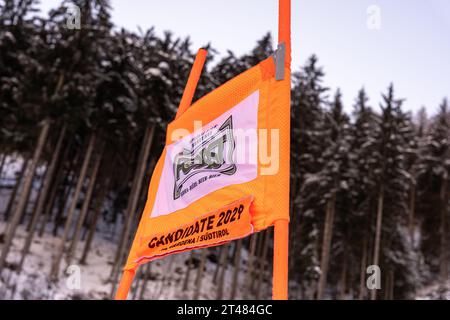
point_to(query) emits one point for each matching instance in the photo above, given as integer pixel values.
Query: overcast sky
(409, 45)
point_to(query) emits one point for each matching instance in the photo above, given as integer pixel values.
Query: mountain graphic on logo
(213, 155)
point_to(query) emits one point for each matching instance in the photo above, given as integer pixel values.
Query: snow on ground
(166, 279)
(33, 282)
(437, 291)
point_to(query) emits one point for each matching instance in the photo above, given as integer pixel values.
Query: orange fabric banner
(231, 222)
(224, 172)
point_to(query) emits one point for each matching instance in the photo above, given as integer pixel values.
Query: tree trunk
(72, 173)
(223, 271)
(2, 163)
(25, 192)
(412, 208)
(391, 291)
(343, 288)
(54, 183)
(54, 273)
(198, 279)
(262, 263)
(85, 208)
(376, 251)
(126, 236)
(49, 206)
(188, 271)
(167, 275)
(249, 275)
(147, 274)
(219, 263)
(389, 285)
(386, 286)
(133, 200)
(36, 201)
(12, 198)
(136, 283)
(444, 232)
(65, 197)
(326, 244)
(42, 197)
(258, 251)
(31, 202)
(362, 276)
(98, 208)
(237, 268)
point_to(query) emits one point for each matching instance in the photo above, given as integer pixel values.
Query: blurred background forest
(82, 123)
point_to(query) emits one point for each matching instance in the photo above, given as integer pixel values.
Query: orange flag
(224, 172)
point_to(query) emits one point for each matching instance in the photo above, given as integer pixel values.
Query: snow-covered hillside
(165, 281)
(436, 291)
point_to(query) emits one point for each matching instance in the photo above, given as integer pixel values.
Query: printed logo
(220, 153)
(211, 152)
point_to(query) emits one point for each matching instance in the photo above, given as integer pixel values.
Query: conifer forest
(83, 115)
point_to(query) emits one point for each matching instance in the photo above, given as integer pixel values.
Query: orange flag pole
(185, 103)
(191, 85)
(281, 236)
(125, 284)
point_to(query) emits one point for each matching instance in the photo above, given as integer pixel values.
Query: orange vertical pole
(284, 29)
(125, 285)
(281, 236)
(185, 103)
(191, 85)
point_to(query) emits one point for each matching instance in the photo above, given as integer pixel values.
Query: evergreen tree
(392, 248)
(365, 130)
(333, 183)
(307, 144)
(433, 181)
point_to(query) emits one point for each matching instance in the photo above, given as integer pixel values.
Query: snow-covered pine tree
(332, 185)
(363, 155)
(392, 246)
(433, 173)
(308, 136)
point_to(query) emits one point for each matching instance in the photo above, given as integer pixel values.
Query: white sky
(411, 49)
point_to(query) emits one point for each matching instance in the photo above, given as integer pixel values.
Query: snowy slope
(436, 291)
(165, 282)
